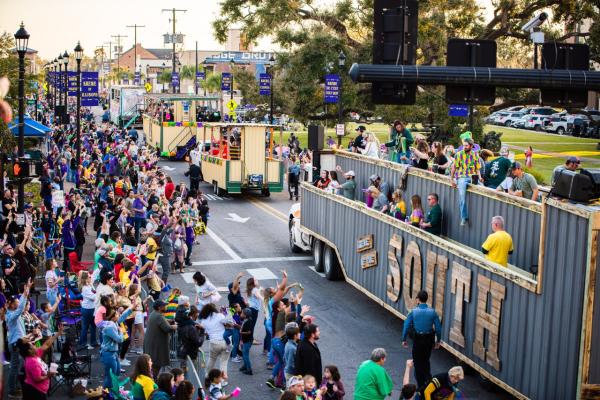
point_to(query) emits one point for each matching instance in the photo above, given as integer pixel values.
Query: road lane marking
(269, 210)
(251, 260)
(223, 245)
(312, 268)
(262, 274)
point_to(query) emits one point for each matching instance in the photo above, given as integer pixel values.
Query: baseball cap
(158, 304)
(350, 173)
(573, 159)
(373, 177)
(504, 150)
(515, 165)
(295, 380)
(183, 300)
(361, 128)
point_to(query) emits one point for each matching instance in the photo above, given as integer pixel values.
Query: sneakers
(271, 383)
(125, 362)
(270, 366)
(237, 359)
(464, 222)
(90, 347)
(247, 372)
(229, 348)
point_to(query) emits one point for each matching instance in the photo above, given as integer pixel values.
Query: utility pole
(135, 28)
(196, 70)
(119, 37)
(173, 20)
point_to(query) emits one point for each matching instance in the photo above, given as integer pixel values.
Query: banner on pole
(226, 81)
(264, 85)
(72, 83)
(137, 78)
(175, 79)
(201, 75)
(332, 88)
(89, 89)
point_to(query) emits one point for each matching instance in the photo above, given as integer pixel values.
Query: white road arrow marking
(167, 168)
(236, 218)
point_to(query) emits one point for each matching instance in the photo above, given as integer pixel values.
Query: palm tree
(187, 72)
(164, 77)
(212, 83)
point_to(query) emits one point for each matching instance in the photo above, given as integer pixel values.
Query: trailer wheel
(293, 247)
(331, 265)
(317, 251)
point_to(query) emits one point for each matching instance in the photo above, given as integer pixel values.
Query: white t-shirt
(195, 157)
(102, 290)
(254, 299)
(203, 290)
(214, 327)
(89, 297)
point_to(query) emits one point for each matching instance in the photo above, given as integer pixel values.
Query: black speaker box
(470, 53)
(316, 137)
(574, 186)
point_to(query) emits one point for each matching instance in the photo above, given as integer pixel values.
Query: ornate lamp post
(78, 56)
(65, 61)
(21, 40)
(341, 63)
(271, 77)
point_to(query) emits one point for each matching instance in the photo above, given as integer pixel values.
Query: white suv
(535, 122)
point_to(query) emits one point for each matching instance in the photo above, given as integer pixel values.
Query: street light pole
(271, 77)
(231, 65)
(341, 63)
(57, 113)
(66, 85)
(78, 57)
(21, 39)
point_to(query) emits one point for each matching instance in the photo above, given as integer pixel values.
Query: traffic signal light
(20, 169)
(395, 43)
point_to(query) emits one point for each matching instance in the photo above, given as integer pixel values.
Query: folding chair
(70, 367)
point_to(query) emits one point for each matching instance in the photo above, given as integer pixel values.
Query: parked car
(513, 109)
(543, 111)
(520, 122)
(535, 122)
(578, 125)
(556, 124)
(506, 119)
(499, 115)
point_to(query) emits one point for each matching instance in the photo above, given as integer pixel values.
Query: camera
(535, 22)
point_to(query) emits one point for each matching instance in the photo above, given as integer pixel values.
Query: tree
(313, 33)
(9, 67)
(212, 83)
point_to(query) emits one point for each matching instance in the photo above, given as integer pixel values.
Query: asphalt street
(249, 233)
(351, 324)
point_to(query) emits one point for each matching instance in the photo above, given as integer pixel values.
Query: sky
(57, 25)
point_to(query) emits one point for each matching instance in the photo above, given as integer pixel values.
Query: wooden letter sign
(368, 259)
(488, 321)
(436, 299)
(412, 266)
(393, 277)
(364, 243)
(461, 287)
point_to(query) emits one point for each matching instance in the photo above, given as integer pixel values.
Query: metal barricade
(173, 346)
(196, 372)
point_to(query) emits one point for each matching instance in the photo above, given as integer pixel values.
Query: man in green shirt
(433, 220)
(497, 169)
(372, 380)
(523, 184)
(348, 188)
